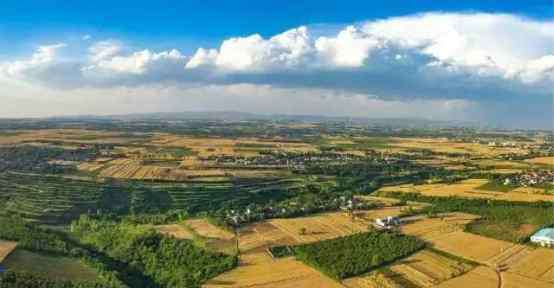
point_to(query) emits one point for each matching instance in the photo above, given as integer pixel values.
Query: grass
(53, 267)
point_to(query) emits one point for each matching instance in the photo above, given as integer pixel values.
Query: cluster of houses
(255, 213)
(534, 178)
(296, 161)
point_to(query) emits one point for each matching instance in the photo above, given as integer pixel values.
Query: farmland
(271, 204)
(472, 188)
(425, 268)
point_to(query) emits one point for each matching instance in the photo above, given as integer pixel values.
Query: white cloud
(103, 50)
(41, 58)
(350, 48)
(447, 58)
(253, 53)
(491, 43)
(140, 62)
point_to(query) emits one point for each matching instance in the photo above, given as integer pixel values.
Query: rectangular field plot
(471, 189)
(482, 277)
(423, 269)
(276, 232)
(537, 264)
(261, 271)
(430, 228)
(470, 246)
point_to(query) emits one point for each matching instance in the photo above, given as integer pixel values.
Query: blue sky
(189, 23)
(451, 60)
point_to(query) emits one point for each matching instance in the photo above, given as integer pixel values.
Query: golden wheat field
(511, 280)
(541, 160)
(482, 277)
(259, 270)
(259, 236)
(205, 147)
(6, 247)
(68, 136)
(443, 145)
(535, 263)
(471, 246)
(469, 189)
(330, 225)
(431, 228)
(425, 268)
(375, 279)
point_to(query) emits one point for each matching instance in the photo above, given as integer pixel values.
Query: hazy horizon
(486, 62)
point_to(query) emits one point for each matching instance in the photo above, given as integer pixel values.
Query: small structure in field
(544, 237)
(387, 223)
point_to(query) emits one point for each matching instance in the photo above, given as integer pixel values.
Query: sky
(485, 61)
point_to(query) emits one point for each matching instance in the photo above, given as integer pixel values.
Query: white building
(544, 237)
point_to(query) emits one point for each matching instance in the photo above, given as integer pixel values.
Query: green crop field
(53, 267)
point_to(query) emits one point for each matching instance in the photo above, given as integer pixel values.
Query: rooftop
(546, 233)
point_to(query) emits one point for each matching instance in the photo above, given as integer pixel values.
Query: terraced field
(51, 199)
(48, 199)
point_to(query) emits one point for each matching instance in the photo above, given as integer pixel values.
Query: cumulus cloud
(103, 50)
(254, 54)
(139, 63)
(41, 59)
(450, 57)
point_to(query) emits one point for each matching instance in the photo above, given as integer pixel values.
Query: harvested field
(469, 189)
(205, 229)
(374, 279)
(90, 166)
(70, 136)
(511, 280)
(541, 161)
(259, 236)
(423, 269)
(431, 228)
(535, 263)
(205, 147)
(6, 247)
(175, 230)
(443, 145)
(262, 235)
(285, 272)
(125, 168)
(470, 246)
(482, 277)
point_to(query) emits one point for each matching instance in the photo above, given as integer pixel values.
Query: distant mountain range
(234, 116)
